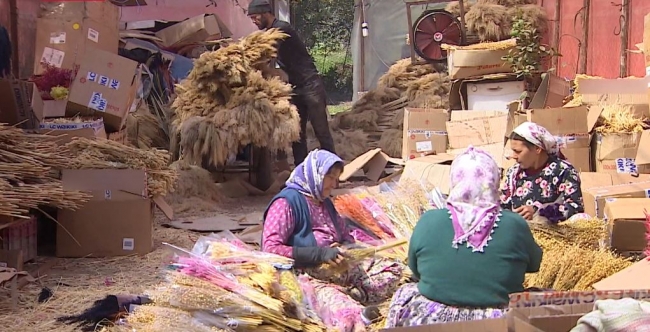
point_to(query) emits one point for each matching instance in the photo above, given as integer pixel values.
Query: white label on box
(93, 35)
(57, 38)
(561, 142)
(128, 244)
(95, 125)
(626, 166)
(424, 146)
(92, 77)
(53, 57)
(108, 194)
(97, 102)
(114, 84)
(103, 80)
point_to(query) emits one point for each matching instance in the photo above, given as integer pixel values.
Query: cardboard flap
(132, 181)
(551, 92)
(477, 132)
(632, 277)
(372, 162)
(626, 208)
(643, 152)
(164, 207)
(476, 58)
(434, 169)
(627, 91)
(562, 121)
(471, 115)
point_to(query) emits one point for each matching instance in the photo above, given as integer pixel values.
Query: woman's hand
(525, 211)
(334, 255)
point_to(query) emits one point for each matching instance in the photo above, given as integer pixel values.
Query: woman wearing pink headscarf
(542, 185)
(469, 257)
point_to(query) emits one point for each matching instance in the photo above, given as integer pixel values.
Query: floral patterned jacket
(555, 190)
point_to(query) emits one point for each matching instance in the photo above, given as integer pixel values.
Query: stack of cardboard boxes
(84, 36)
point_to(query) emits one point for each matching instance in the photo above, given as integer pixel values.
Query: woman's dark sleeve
(570, 188)
(506, 195)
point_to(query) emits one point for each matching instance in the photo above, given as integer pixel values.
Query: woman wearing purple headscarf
(467, 257)
(301, 223)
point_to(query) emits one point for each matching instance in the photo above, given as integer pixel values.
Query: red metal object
(604, 29)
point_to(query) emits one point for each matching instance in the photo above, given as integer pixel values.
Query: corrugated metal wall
(26, 22)
(603, 54)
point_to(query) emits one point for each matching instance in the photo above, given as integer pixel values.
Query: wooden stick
(625, 13)
(582, 69)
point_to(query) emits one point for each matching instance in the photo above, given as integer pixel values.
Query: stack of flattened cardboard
(84, 37)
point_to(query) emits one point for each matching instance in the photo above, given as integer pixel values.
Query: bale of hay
(349, 143)
(454, 7)
(490, 22)
(229, 103)
(366, 111)
(390, 142)
(534, 14)
(404, 71)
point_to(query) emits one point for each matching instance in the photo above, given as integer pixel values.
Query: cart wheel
(262, 168)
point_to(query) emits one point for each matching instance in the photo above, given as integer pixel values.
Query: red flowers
(51, 77)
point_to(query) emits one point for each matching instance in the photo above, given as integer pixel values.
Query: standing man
(308, 88)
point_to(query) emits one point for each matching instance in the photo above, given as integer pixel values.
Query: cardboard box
(117, 221)
(425, 132)
(487, 133)
(102, 11)
(119, 136)
(106, 85)
(67, 131)
(572, 128)
(551, 92)
(627, 91)
(616, 153)
(484, 325)
(560, 311)
(595, 198)
(633, 277)
(593, 185)
(62, 43)
(626, 218)
(430, 170)
(195, 29)
(371, 164)
(16, 107)
(471, 63)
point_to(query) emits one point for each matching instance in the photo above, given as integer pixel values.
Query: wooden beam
(463, 34)
(582, 68)
(556, 35)
(625, 27)
(13, 23)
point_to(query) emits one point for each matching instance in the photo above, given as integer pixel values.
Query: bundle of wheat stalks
(27, 177)
(619, 119)
(573, 256)
(226, 103)
(355, 256)
(102, 154)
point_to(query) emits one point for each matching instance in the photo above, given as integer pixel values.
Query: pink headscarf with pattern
(538, 136)
(474, 198)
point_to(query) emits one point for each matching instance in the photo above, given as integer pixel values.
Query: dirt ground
(76, 283)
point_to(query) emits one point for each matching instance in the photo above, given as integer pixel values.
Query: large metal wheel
(432, 29)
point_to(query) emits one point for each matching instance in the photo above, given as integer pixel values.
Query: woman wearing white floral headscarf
(467, 257)
(542, 185)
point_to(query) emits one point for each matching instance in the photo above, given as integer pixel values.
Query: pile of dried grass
(226, 103)
(391, 142)
(102, 154)
(572, 258)
(195, 189)
(403, 72)
(454, 7)
(349, 143)
(364, 113)
(533, 13)
(144, 130)
(489, 22)
(618, 119)
(27, 179)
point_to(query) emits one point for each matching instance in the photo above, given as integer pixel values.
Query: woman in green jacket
(469, 257)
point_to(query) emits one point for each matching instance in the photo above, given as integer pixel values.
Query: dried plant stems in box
(27, 177)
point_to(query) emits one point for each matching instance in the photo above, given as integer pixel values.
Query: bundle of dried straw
(102, 154)
(26, 176)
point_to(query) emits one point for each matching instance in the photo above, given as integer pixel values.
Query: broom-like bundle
(27, 177)
(353, 256)
(454, 7)
(489, 22)
(226, 103)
